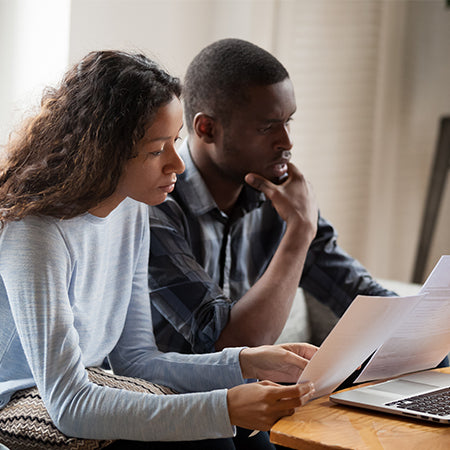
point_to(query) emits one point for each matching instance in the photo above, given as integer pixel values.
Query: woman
(73, 269)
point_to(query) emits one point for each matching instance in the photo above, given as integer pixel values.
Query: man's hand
(282, 363)
(257, 406)
(270, 298)
(294, 199)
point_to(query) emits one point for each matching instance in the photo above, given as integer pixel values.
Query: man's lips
(279, 169)
(280, 166)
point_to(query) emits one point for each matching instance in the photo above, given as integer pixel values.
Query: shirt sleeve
(189, 309)
(136, 354)
(332, 276)
(36, 276)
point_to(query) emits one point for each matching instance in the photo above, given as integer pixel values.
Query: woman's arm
(37, 275)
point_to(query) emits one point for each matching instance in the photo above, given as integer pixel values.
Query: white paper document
(439, 277)
(404, 334)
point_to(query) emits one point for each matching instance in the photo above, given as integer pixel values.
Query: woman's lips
(167, 188)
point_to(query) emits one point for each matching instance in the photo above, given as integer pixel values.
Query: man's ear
(205, 127)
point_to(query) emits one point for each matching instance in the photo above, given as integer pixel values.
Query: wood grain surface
(323, 425)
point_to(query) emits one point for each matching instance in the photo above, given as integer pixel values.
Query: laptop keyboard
(436, 402)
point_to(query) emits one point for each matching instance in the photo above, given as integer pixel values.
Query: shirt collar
(190, 185)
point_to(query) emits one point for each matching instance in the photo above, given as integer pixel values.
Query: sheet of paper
(420, 341)
(439, 277)
(363, 328)
(422, 338)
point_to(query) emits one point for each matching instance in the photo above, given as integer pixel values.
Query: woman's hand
(283, 363)
(257, 406)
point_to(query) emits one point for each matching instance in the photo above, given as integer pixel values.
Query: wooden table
(323, 425)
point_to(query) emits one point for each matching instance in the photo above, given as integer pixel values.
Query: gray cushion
(26, 424)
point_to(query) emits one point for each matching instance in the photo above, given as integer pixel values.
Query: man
(241, 231)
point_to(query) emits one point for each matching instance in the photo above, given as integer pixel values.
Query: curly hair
(70, 155)
(218, 77)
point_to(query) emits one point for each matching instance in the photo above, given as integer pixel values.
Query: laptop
(422, 395)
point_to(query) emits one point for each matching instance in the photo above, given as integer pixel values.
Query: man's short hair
(217, 78)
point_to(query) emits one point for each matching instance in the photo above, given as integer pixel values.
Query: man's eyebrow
(273, 120)
(267, 120)
(277, 120)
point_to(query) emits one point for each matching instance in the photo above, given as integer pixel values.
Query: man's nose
(285, 141)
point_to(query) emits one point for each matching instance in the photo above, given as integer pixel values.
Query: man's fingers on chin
(254, 181)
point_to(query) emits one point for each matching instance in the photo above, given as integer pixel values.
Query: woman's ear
(205, 127)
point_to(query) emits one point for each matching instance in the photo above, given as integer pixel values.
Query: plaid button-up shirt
(202, 262)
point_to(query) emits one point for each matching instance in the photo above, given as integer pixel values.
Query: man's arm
(332, 276)
(191, 310)
(261, 313)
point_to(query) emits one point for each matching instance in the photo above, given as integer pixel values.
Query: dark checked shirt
(203, 261)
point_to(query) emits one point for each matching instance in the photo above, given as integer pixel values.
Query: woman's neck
(105, 207)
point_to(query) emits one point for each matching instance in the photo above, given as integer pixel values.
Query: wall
(169, 31)
(34, 38)
(426, 98)
(413, 92)
(371, 79)
(331, 49)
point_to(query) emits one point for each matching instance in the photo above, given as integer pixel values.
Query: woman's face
(152, 174)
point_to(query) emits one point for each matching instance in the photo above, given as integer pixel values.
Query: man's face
(257, 137)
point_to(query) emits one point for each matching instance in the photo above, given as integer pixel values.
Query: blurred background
(372, 80)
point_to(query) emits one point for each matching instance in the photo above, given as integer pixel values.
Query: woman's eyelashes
(159, 152)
